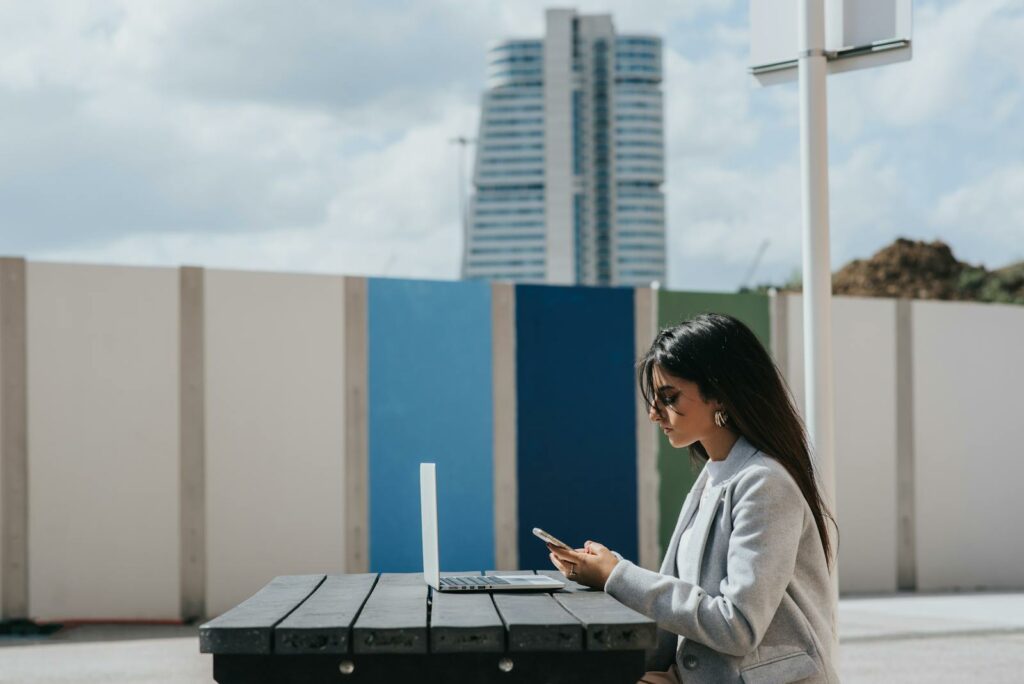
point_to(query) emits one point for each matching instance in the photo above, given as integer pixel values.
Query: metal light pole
(462, 142)
(817, 285)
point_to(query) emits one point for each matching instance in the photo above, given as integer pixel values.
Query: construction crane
(753, 266)
(463, 142)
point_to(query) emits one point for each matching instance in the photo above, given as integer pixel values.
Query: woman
(745, 592)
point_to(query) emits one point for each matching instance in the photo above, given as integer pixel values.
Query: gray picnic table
(393, 628)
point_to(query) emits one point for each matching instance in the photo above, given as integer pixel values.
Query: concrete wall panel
(103, 442)
(968, 374)
(274, 429)
(864, 349)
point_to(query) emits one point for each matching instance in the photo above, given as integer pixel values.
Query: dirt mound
(919, 270)
(926, 270)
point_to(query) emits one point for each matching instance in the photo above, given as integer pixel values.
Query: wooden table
(393, 628)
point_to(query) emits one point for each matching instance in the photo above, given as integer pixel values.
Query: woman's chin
(679, 441)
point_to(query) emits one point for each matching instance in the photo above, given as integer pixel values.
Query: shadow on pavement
(23, 634)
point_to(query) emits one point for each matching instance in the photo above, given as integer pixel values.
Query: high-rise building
(570, 159)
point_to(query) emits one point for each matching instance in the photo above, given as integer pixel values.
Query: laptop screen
(428, 520)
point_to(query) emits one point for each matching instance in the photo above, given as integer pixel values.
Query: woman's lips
(666, 429)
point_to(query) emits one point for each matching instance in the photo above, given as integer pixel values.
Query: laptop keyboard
(472, 581)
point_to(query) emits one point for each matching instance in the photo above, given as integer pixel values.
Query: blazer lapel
(690, 570)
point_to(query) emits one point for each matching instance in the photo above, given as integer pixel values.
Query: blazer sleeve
(768, 520)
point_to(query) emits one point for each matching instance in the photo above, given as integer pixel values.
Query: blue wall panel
(576, 418)
(430, 400)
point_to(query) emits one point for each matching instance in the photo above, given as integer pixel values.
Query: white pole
(817, 269)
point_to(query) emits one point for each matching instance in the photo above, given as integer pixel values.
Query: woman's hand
(590, 565)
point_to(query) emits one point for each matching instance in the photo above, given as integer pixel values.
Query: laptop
(431, 572)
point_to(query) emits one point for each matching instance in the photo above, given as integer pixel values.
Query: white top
(714, 468)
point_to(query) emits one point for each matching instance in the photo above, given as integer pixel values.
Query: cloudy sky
(313, 135)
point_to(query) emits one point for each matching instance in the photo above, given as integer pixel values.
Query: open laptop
(431, 572)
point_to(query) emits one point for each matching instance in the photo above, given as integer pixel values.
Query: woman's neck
(719, 445)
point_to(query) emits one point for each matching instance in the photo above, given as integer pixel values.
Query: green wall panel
(674, 467)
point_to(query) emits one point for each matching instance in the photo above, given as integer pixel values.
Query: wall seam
(357, 473)
(14, 576)
(503, 370)
(779, 313)
(906, 542)
(192, 441)
(648, 508)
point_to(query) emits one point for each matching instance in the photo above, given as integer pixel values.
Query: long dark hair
(729, 364)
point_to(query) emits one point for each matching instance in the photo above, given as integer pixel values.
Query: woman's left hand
(590, 566)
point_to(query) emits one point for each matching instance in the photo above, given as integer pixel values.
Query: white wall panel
(103, 441)
(864, 355)
(275, 430)
(968, 375)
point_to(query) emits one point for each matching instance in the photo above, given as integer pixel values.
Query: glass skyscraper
(570, 159)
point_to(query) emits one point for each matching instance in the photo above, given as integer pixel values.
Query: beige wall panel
(864, 353)
(103, 441)
(275, 430)
(968, 375)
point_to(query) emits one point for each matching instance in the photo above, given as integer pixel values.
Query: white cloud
(721, 216)
(392, 210)
(989, 214)
(707, 107)
(869, 208)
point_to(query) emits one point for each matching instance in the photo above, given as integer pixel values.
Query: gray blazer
(757, 605)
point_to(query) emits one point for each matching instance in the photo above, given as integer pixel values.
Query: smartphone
(549, 539)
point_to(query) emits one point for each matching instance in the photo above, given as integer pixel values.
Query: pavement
(896, 639)
(937, 638)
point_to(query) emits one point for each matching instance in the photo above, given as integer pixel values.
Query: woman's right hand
(590, 566)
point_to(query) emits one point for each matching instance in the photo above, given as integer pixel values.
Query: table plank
(465, 622)
(248, 627)
(609, 625)
(536, 622)
(322, 624)
(394, 618)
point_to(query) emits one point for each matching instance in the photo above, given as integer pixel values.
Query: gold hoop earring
(721, 418)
